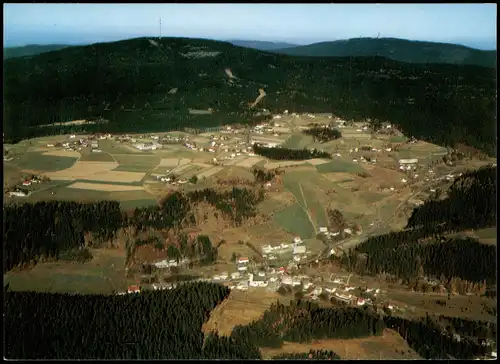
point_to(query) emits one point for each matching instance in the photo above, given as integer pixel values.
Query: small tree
(193, 179)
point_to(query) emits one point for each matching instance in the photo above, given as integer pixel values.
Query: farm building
(162, 264)
(17, 194)
(300, 249)
(343, 297)
(297, 240)
(27, 183)
(408, 161)
(243, 260)
(134, 289)
(242, 268)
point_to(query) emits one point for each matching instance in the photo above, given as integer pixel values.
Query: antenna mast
(160, 28)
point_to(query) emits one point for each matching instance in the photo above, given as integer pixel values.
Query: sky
(473, 25)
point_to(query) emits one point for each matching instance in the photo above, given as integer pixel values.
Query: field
(278, 164)
(133, 168)
(96, 157)
(61, 192)
(295, 220)
(82, 170)
(103, 187)
(43, 162)
(209, 172)
(249, 162)
(131, 159)
(116, 176)
(169, 162)
(389, 346)
(240, 308)
(296, 141)
(104, 274)
(485, 236)
(339, 166)
(309, 195)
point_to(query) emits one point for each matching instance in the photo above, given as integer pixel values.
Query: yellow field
(273, 165)
(169, 162)
(117, 176)
(184, 161)
(249, 162)
(203, 165)
(318, 161)
(339, 176)
(62, 153)
(103, 187)
(240, 308)
(181, 168)
(389, 346)
(209, 172)
(82, 170)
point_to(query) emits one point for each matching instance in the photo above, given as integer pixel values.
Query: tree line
(131, 80)
(470, 204)
(323, 133)
(311, 355)
(289, 154)
(168, 324)
(421, 249)
(304, 321)
(150, 325)
(44, 230)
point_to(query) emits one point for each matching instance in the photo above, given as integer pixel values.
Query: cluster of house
(170, 180)
(335, 234)
(216, 145)
(295, 115)
(130, 289)
(148, 146)
(18, 191)
(170, 263)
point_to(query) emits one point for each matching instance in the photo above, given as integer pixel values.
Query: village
(279, 272)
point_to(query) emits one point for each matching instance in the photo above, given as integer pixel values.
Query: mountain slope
(143, 85)
(262, 45)
(30, 50)
(399, 50)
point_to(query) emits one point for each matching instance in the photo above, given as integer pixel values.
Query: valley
(254, 204)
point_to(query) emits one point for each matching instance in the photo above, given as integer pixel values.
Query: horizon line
(229, 40)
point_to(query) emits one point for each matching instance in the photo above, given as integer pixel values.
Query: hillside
(398, 50)
(30, 50)
(262, 45)
(144, 85)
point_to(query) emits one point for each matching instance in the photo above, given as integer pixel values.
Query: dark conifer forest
(323, 134)
(150, 325)
(282, 154)
(57, 227)
(311, 355)
(126, 85)
(424, 249)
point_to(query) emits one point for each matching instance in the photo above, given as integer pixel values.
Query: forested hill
(262, 45)
(30, 50)
(399, 50)
(147, 85)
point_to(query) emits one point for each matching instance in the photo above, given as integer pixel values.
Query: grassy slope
(398, 50)
(133, 79)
